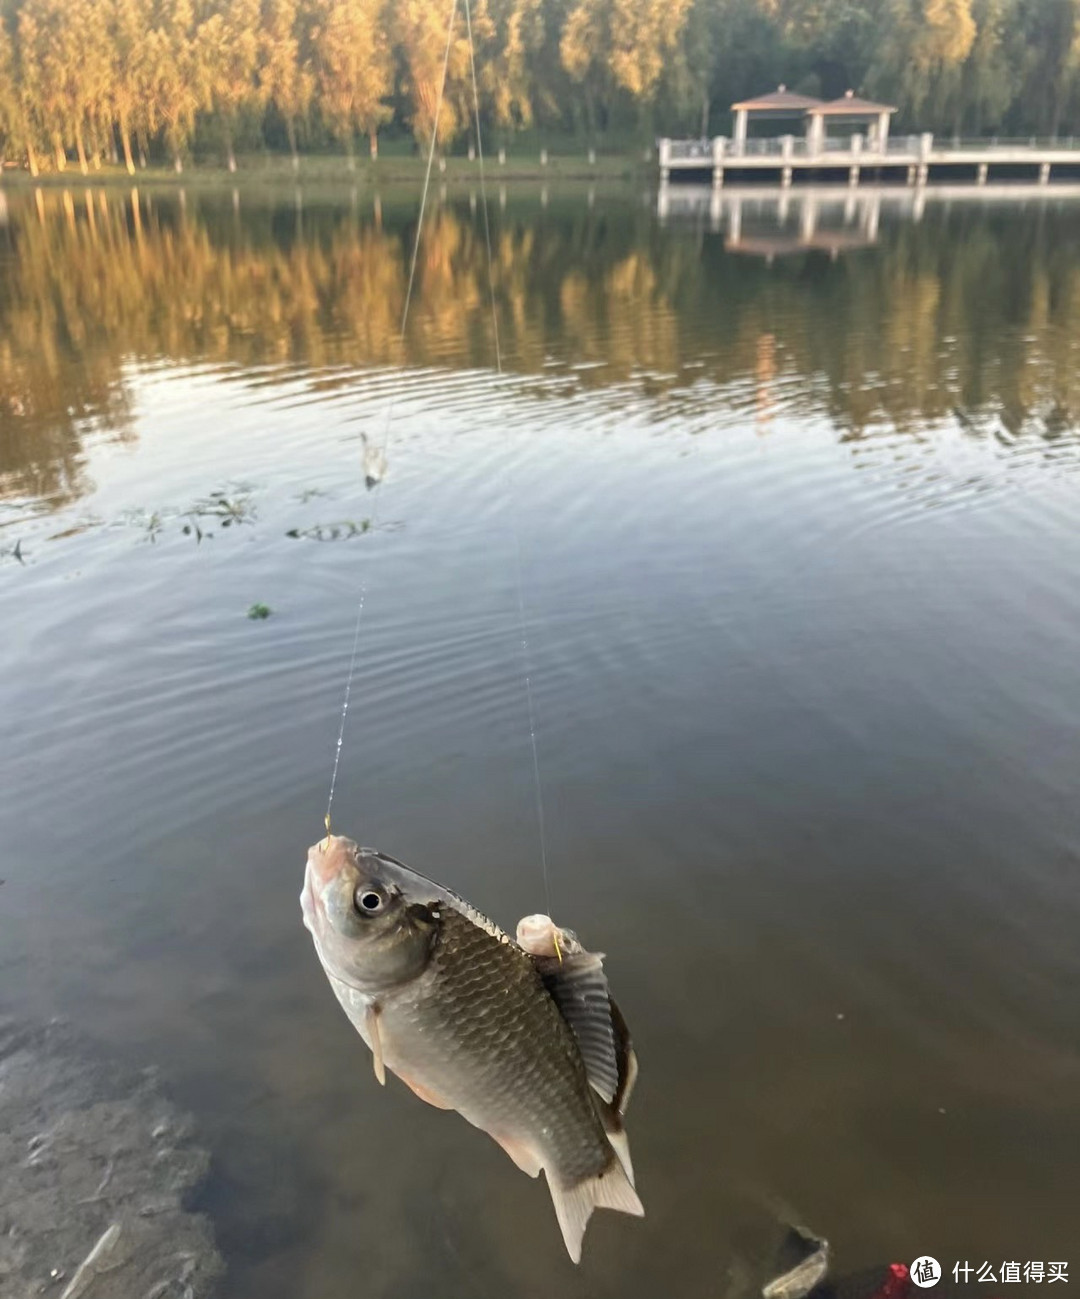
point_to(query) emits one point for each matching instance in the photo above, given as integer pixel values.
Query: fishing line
(522, 624)
(389, 416)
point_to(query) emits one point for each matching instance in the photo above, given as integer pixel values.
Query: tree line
(83, 80)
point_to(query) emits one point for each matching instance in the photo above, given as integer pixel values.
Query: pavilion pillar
(740, 131)
(856, 154)
(882, 132)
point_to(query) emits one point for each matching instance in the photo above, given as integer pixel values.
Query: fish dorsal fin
(579, 987)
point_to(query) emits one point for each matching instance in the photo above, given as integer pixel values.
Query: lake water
(797, 494)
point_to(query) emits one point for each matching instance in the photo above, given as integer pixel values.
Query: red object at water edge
(896, 1285)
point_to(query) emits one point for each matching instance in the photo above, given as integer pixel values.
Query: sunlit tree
(286, 72)
(353, 68)
(509, 41)
(78, 77)
(924, 46)
(10, 108)
(179, 62)
(420, 31)
(49, 71)
(229, 41)
(130, 86)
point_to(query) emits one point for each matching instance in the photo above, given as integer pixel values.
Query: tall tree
(229, 36)
(10, 108)
(179, 61)
(1050, 37)
(643, 34)
(353, 68)
(92, 107)
(420, 32)
(286, 73)
(990, 78)
(48, 58)
(130, 82)
(623, 44)
(921, 56)
(583, 41)
(508, 44)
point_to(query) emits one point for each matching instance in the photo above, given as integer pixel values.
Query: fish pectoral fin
(625, 1059)
(574, 1205)
(523, 1155)
(425, 1093)
(372, 1026)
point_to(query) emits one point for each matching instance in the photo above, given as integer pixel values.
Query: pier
(913, 160)
(863, 150)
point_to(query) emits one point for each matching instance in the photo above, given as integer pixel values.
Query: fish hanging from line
(521, 1038)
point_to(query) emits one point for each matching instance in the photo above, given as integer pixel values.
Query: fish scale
(480, 1030)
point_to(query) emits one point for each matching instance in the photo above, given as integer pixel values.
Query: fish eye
(369, 901)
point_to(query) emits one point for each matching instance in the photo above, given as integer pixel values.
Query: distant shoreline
(334, 168)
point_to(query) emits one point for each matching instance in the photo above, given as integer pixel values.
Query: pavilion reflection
(783, 222)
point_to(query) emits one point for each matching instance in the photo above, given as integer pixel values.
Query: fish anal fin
(620, 1143)
(579, 988)
(425, 1093)
(372, 1026)
(521, 1153)
(574, 1205)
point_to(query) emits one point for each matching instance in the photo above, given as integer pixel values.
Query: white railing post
(719, 149)
(926, 144)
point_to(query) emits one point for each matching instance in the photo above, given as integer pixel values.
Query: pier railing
(790, 154)
(795, 146)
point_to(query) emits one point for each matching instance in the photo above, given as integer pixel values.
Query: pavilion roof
(780, 100)
(850, 105)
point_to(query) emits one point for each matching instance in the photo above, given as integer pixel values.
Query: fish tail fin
(574, 1205)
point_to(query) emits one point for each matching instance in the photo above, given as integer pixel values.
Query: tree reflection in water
(969, 315)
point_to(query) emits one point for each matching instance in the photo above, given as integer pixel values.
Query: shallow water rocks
(97, 1169)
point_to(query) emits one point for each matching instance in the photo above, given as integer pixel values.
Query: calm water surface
(799, 550)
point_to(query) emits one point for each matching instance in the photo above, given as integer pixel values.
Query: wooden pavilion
(849, 110)
(779, 106)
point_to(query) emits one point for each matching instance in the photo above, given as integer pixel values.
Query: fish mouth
(325, 861)
(329, 856)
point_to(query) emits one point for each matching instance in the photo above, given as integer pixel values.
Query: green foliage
(122, 78)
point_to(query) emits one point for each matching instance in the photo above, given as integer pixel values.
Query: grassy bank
(329, 168)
